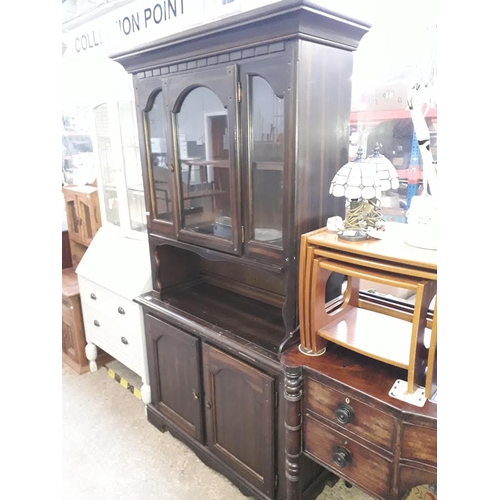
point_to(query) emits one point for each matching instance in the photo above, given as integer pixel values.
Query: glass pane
(132, 163)
(266, 160)
(203, 146)
(105, 153)
(158, 149)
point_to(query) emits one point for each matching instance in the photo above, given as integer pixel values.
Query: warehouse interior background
(31, 253)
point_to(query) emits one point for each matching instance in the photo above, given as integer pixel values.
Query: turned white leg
(146, 394)
(91, 353)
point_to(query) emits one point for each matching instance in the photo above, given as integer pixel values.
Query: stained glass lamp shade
(361, 182)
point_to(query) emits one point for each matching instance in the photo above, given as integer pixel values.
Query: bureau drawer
(124, 343)
(419, 444)
(350, 414)
(344, 456)
(106, 300)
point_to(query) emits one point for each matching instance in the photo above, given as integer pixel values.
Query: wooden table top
(390, 248)
(70, 286)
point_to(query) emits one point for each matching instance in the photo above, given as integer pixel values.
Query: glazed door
(239, 411)
(266, 134)
(120, 182)
(175, 375)
(89, 214)
(203, 110)
(154, 133)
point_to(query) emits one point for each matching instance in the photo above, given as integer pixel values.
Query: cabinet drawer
(419, 444)
(101, 298)
(124, 343)
(366, 422)
(347, 457)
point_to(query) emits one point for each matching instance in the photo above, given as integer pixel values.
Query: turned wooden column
(293, 426)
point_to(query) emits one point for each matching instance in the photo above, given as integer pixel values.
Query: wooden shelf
(205, 193)
(205, 163)
(224, 310)
(372, 334)
(269, 165)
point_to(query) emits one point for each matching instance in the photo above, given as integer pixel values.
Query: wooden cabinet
(243, 123)
(84, 218)
(241, 134)
(224, 403)
(83, 221)
(351, 425)
(83, 213)
(220, 394)
(73, 335)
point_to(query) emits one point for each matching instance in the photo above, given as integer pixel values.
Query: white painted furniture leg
(91, 353)
(146, 394)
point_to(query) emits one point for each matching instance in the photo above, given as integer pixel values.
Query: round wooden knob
(341, 456)
(344, 413)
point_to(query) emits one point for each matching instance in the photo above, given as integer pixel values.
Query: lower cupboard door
(175, 374)
(239, 410)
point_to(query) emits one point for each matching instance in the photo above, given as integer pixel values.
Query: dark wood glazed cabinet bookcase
(243, 123)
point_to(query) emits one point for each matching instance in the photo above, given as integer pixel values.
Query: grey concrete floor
(111, 452)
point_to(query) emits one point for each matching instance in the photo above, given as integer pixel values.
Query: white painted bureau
(113, 271)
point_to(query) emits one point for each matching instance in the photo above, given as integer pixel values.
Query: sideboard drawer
(345, 456)
(419, 444)
(350, 414)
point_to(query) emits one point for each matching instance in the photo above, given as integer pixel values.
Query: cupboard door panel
(175, 374)
(239, 406)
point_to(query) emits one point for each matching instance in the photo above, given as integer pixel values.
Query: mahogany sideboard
(339, 414)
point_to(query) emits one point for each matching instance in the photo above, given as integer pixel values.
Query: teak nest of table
(382, 328)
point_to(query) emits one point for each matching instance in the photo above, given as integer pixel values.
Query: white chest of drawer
(112, 272)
